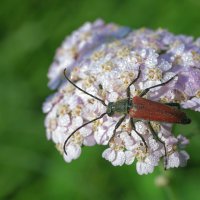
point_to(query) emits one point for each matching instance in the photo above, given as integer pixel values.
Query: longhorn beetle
(138, 108)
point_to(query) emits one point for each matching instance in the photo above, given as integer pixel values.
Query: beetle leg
(174, 105)
(161, 84)
(155, 135)
(128, 92)
(142, 138)
(117, 126)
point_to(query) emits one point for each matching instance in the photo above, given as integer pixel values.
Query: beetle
(138, 108)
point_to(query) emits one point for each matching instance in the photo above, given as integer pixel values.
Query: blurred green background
(30, 166)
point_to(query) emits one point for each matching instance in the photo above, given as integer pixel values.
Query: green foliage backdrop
(30, 166)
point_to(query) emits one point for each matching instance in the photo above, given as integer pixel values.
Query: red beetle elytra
(138, 108)
(153, 111)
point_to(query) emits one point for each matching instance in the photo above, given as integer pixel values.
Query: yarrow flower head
(103, 60)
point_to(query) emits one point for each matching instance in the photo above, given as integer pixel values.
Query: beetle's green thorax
(120, 107)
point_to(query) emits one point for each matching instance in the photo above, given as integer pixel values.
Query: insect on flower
(138, 108)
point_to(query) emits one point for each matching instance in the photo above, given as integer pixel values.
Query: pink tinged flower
(194, 104)
(191, 89)
(129, 157)
(73, 152)
(113, 96)
(64, 120)
(89, 140)
(173, 160)
(88, 137)
(158, 73)
(128, 141)
(80, 43)
(182, 55)
(189, 81)
(75, 123)
(50, 123)
(142, 128)
(117, 158)
(51, 101)
(182, 141)
(68, 53)
(115, 154)
(58, 134)
(128, 145)
(177, 49)
(177, 159)
(109, 154)
(147, 164)
(73, 146)
(164, 131)
(171, 140)
(183, 156)
(150, 57)
(176, 156)
(144, 167)
(104, 133)
(92, 109)
(103, 59)
(153, 144)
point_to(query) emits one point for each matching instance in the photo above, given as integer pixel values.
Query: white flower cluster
(107, 59)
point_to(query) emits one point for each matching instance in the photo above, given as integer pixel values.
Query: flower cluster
(103, 59)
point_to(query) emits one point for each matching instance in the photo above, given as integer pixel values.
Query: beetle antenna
(78, 129)
(102, 101)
